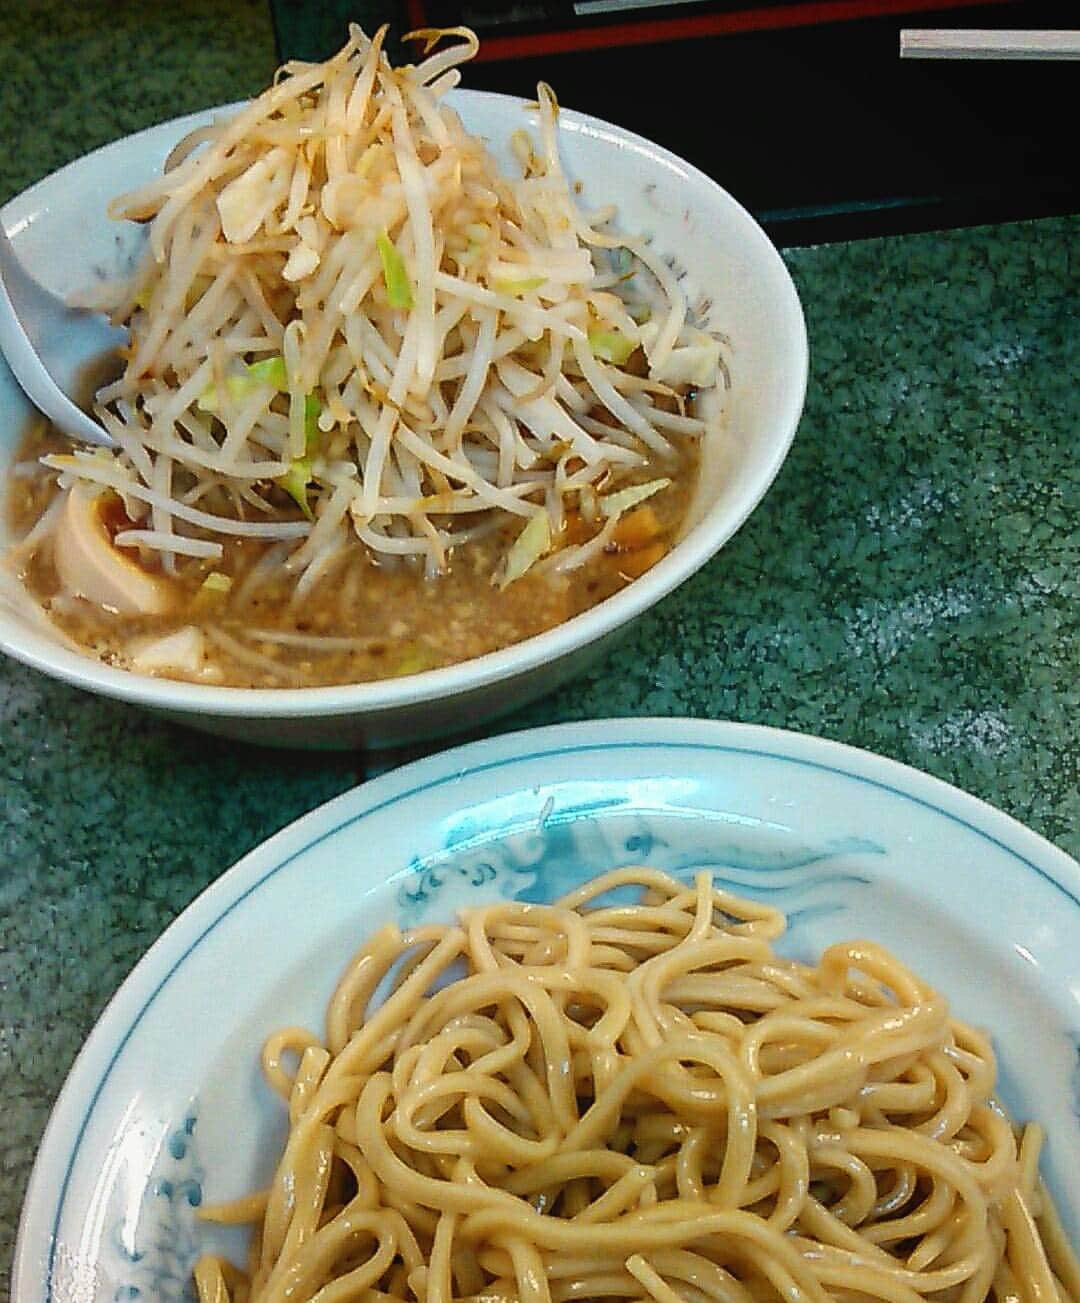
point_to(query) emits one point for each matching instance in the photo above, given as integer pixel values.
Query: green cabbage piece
(312, 433)
(614, 504)
(517, 287)
(529, 546)
(295, 482)
(270, 371)
(398, 289)
(611, 346)
(414, 659)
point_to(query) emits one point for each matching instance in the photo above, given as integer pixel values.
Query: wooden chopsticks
(974, 43)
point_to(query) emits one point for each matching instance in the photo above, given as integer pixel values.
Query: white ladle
(48, 345)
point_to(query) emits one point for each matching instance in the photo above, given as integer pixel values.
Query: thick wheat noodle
(592, 1100)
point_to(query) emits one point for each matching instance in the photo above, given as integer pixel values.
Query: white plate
(165, 1104)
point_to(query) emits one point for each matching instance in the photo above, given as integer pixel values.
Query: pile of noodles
(349, 328)
(641, 1102)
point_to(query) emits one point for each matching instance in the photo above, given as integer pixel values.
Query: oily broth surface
(394, 621)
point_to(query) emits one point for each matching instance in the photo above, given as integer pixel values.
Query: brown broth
(399, 622)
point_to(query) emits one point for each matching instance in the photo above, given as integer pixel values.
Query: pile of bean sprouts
(349, 325)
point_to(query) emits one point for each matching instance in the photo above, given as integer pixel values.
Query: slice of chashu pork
(89, 565)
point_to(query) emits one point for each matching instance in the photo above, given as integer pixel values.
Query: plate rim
(117, 1023)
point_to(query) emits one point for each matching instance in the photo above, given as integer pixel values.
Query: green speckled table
(909, 585)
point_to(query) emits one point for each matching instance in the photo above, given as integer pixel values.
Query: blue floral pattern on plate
(154, 1259)
(565, 846)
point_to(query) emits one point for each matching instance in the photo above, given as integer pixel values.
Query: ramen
(643, 1101)
(383, 407)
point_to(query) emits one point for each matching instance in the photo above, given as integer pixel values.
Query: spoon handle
(31, 320)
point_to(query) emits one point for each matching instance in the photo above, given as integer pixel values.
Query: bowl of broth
(412, 422)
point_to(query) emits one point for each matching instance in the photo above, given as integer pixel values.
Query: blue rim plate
(165, 1105)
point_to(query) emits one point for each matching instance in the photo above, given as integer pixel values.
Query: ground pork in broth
(362, 622)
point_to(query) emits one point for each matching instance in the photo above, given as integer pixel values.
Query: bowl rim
(531, 654)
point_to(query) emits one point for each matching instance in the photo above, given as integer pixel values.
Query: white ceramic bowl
(62, 234)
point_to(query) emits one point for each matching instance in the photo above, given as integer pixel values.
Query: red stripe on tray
(647, 31)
